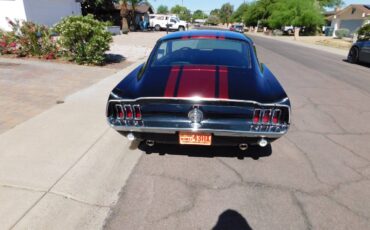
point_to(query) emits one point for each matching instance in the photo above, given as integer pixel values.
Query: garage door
(352, 25)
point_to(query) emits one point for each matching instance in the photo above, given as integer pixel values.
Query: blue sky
(208, 5)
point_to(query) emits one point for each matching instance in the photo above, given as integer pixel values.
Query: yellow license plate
(195, 138)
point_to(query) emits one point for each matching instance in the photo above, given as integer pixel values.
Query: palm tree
(128, 19)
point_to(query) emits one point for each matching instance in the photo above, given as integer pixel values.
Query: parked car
(201, 87)
(237, 28)
(160, 22)
(289, 30)
(360, 51)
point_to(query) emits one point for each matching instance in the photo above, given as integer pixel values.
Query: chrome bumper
(216, 132)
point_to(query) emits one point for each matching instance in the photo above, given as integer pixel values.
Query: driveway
(29, 87)
(316, 177)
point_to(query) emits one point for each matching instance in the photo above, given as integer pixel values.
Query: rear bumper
(214, 132)
(167, 138)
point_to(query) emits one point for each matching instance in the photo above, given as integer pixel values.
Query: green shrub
(364, 33)
(213, 20)
(340, 33)
(83, 39)
(36, 40)
(28, 39)
(7, 42)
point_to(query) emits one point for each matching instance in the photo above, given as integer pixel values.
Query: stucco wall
(49, 12)
(12, 9)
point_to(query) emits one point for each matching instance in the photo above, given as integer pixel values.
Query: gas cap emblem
(195, 115)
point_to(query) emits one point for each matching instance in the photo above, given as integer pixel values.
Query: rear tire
(157, 27)
(353, 55)
(181, 28)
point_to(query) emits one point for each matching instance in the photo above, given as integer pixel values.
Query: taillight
(256, 116)
(129, 113)
(137, 111)
(119, 111)
(276, 116)
(266, 116)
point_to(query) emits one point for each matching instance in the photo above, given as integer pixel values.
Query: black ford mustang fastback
(201, 88)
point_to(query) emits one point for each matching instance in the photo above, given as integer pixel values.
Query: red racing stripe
(171, 82)
(223, 83)
(197, 81)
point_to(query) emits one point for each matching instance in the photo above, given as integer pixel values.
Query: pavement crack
(232, 169)
(311, 165)
(360, 215)
(194, 191)
(345, 147)
(65, 196)
(302, 210)
(22, 188)
(328, 114)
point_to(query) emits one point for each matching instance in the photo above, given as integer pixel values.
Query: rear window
(218, 52)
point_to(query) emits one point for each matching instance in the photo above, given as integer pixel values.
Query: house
(352, 18)
(46, 12)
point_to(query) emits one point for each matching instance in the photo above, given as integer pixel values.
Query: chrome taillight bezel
(119, 109)
(129, 110)
(137, 110)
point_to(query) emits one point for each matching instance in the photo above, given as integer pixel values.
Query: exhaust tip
(263, 142)
(131, 137)
(149, 143)
(243, 146)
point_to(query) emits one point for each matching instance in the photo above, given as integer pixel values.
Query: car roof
(211, 33)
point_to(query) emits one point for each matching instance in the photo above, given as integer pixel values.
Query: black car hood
(202, 81)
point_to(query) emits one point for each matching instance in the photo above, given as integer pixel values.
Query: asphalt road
(315, 177)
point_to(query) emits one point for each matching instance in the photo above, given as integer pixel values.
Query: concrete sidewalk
(64, 168)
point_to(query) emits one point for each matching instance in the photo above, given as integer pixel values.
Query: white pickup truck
(160, 21)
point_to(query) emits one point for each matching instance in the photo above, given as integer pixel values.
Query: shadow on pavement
(360, 63)
(114, 58)
(231, 219)
(254, 152)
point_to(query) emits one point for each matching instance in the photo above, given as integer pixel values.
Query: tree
(198, 14)
(364, 33)
(330, 3)
(237, 16)
(182, 12)
(95, 7)
(162, 9)
(215, 12)
(225, 13)
(128, 17)
(298, 13)
(258, 12)
(213, 20)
